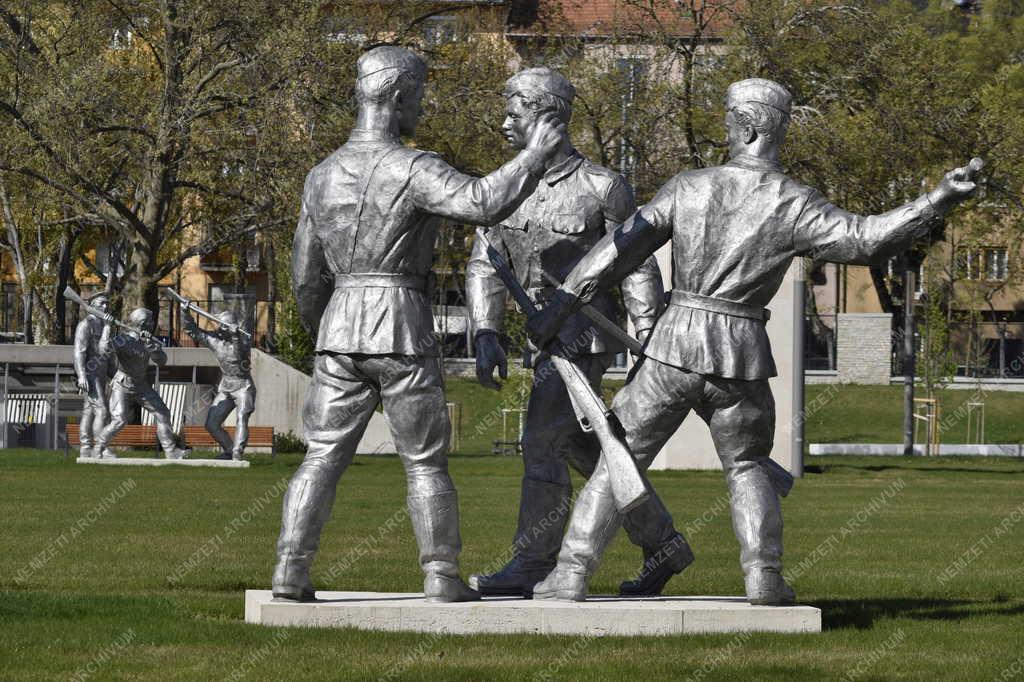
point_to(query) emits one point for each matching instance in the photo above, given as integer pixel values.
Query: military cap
(761, 91)
(388, 57)
(543, 79)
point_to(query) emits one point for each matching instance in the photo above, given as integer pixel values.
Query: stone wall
(864, 348)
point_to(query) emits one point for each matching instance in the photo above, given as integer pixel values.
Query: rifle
(189, 305)
(628, 487)
(73, 296)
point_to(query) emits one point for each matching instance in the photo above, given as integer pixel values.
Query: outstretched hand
(958, 184)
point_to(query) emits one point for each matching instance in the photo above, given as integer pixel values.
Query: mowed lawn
(114, 573)
(835, 413)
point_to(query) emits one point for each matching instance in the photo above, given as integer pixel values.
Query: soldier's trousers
(650, 408)
(243, 402)
(120, 407)
(553, 441)
(95, 412)
(343, 395)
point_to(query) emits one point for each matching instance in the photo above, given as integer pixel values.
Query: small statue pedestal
(598, 616)
(158, 462)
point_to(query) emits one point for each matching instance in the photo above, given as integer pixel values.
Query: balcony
(222, 260)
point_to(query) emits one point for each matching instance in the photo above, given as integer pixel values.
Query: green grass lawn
(835, 413)
(138, 574)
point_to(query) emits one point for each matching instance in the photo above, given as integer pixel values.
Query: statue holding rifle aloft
(232, 346)
(93, 371)
(134, 348)
(734, 231)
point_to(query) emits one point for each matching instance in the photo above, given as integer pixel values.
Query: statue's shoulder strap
(364, 188)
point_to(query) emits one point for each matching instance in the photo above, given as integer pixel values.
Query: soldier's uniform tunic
(734, 230)
(362, 255)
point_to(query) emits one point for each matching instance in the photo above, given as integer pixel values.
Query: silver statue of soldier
(360, 266)
(734, 231)
(134, 349)
(236, 390)
(93, 370)
(575, 204)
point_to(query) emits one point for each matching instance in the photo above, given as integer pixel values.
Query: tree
(156, 120)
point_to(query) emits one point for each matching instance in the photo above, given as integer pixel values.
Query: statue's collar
(560, 172)
(368, 135)
(751, 162)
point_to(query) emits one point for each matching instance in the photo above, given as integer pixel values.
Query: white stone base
(598, 616)
(155, 462)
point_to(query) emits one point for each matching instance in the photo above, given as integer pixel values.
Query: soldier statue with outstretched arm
(734, 231)
(134, 349)
(576, 203)
(360, 267)
(236, 390)
(93, 370)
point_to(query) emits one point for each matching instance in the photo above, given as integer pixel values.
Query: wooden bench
(132, 435)
(259, 437)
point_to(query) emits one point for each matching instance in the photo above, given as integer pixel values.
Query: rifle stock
(627, 485)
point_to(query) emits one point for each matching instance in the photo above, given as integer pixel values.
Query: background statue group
(99, 354)
(361, 260)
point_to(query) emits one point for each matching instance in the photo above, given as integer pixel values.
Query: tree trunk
(271, 267)
(26, 314)
(59, 318)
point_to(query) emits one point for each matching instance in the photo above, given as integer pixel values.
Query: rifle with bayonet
(628, 487)
(189, 305)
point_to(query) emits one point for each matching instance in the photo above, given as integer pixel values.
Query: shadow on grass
(862, 614)
(826, 468)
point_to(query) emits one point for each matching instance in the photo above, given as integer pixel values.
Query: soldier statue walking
(575, 204)
(734, 231)
(360, 267)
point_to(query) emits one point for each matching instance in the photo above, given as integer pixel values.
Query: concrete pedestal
(598, 616)
(154, 462)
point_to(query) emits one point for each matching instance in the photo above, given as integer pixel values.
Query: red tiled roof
(601, 18)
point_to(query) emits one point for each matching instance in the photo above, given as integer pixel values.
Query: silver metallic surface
(734, 231)
(360, 266)
(134, 353)
(576, 204)
(236, 390)
(93, 370)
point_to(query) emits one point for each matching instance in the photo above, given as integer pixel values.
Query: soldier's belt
(688, 299)
(380, 279)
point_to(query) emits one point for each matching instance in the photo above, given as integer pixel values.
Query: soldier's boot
(85, 441)
(100, 449)
(224, 455)
(666, 552)
(592, 526)
(168, 443)
(306, 507)
(757, 522)
(435, 522)
(543, 510)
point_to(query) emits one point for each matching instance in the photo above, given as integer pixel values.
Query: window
(227, 297)
(439, 30)
(988, 263)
